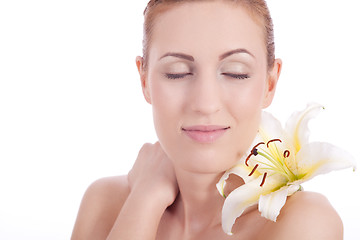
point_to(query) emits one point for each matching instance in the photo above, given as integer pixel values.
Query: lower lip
(205, 136)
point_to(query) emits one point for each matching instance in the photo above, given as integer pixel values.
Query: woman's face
(207, 81)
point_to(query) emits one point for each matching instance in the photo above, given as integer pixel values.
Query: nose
(205, 95)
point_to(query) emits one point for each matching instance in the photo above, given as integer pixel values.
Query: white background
(72, 111)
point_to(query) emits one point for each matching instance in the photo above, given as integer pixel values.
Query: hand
(153, 175)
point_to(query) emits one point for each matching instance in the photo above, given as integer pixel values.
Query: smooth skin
(207, 66)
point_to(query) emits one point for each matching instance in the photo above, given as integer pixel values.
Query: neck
(199, 204)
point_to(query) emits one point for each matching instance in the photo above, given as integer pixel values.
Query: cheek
(245, 107)
(167, 105)
(245, 102)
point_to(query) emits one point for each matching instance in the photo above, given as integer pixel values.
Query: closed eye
(236, 76)
(177, 75)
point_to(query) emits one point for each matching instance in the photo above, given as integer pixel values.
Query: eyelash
(177, 75)
(183, 75)
(236, 76)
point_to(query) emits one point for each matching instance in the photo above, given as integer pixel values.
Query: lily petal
(270, 127)
(241, 170)
(244, 197)
(318, 158)
(271, 204)
(297, 124)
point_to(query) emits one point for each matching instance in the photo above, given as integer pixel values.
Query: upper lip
(205, 128)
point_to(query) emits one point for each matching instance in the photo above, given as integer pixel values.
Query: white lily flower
(279, 161)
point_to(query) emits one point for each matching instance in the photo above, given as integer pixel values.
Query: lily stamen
(252, 172)
(254, 152)
(258, 145)
(263, 180)
(247, 159)
(273, 140)
(277, 161)
(286, 153)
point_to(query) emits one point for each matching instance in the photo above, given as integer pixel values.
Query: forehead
(207, 29)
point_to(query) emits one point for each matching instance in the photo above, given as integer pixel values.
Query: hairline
(165, 6)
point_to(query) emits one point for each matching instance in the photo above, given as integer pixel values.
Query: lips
(205, 133)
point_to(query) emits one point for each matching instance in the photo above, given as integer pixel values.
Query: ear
(272, 80)
(143, 78)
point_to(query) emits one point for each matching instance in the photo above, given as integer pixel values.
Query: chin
(208, 158)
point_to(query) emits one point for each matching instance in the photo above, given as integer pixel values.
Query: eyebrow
(179, 55)
(235, 51)
(221, 57)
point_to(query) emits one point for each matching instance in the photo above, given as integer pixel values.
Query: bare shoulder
(306, 215)
(99, 208)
